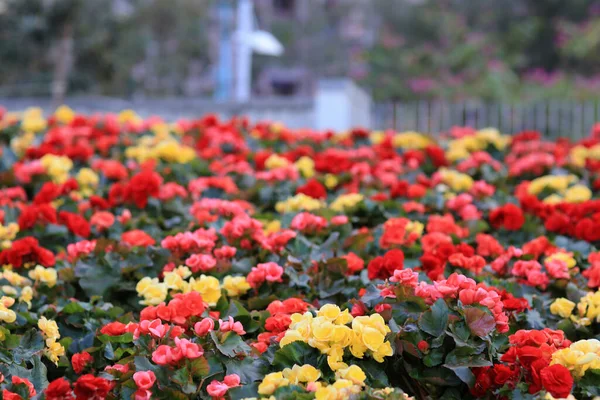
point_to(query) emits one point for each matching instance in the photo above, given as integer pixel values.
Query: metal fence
(552, 118)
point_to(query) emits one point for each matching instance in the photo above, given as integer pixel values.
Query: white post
(243, 64)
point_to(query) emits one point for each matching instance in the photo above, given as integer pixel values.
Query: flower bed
(222, 259)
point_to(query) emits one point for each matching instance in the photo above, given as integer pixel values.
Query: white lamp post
(247, 41)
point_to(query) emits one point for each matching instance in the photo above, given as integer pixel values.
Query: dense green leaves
(434, 321)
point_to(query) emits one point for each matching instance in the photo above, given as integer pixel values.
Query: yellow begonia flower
(578, 194)
(208, 287)
(306, 166)
(49, 328)
(299, 202)
(346, 202)
(272, 382)
(236, 285)
(152, 290)
(411, 140)
(64, 114)
(562, 307)
(275, 161)
(48, 276)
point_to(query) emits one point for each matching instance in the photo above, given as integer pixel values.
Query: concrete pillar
(341, 105)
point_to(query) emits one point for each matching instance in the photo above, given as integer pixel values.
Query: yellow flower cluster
(299, 202)
(33, 120)
(88, 181)
(128, 116)
(64, 114)
(306, 166)
(7, 234)
(346, 202)
(457, 181)
(588, 309)
(411, 140)
(349, 381)
(579, 357)
(276, 161)
(57, 167)
(13, 278)
(168, 150)
(340, 390)
(7, 315)
(289, 376)
(330, 334)
(271, 227)
(579, 154)
(20, 143)
(235, 286)
(155, 292)
(331, 181)
(17, 280)
(47, 276)
(561, 185)
(463, 147)
(50, 330)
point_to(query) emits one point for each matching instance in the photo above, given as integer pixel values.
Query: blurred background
(422, 63)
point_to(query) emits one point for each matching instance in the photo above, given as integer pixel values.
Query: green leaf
(292, 392)
(434, 358)
(244, 391)
(589, 383)
(249, 369)
(143, 364)
(124, 338)
(434, 321)
(75, 307)
(109, 353)
(464, 374)
(31, 343)
(97, 278)
(295, 353)
(375, 373)
(231, 344)
(37, 374)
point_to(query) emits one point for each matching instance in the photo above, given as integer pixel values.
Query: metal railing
(553, 118)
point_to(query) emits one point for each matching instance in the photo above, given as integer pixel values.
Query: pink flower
(102, 220)
(217, 389)
(122, 368)
(202, 328)
(201, 262)
(188, 349)
(143, 394)
(406, 277)
(124, 217)
(165, 355)
(273, 271)
(339, 220)
(157, 328)
(232, 380)
(230, 325)
(81, 248)
(225, 252)
(144, 379)
(557, 269)
(469, 213)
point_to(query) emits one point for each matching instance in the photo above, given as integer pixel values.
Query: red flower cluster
(528, 360)
(27, 250)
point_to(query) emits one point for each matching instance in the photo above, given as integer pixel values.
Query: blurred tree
(476, 48)
(49, 46)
